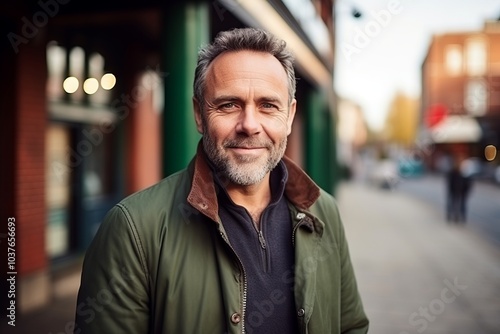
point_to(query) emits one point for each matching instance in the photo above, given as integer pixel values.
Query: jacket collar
(300, 190)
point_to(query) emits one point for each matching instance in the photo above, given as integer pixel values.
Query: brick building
(461, 93)
(97, 104)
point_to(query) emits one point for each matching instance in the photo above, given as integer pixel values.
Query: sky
(382, 52)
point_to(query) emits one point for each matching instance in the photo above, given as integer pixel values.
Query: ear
(198, 117)
(291, 115)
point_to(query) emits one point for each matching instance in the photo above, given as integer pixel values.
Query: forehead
(247, 67)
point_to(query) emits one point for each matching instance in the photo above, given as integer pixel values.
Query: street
(417, 273)
(483, 205)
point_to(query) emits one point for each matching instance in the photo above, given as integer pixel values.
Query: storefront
(100, 106)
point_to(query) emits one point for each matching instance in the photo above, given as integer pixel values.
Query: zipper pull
(262, 240)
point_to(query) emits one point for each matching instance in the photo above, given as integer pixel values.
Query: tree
(402, 120)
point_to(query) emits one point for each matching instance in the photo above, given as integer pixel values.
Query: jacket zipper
(244, 299)
(296, 227)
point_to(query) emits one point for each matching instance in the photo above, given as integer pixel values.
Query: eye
(268, 106)
(228, 106)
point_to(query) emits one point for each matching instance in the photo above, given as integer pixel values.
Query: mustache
(247, 142)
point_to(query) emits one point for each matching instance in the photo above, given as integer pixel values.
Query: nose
(248, 122)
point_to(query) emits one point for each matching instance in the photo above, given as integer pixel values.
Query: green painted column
(319, 141)
(333, 170)
(186, 28)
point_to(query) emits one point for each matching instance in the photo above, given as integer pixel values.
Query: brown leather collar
(300, 190)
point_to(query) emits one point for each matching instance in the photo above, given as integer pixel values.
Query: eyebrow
(225, 98)
(232, 98)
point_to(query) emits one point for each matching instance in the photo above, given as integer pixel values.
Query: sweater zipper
(262, 242)
(244, 298)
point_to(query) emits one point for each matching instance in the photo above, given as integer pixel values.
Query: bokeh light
(90, 86)
(70, 85)
(490, 152)
(108, 81)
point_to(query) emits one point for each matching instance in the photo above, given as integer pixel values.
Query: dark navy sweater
(267, 256)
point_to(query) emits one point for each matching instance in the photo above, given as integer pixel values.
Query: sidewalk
(56, 318)
(416, 273)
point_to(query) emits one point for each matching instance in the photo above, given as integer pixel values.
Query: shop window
(58, 190)
(453, 59)
(98, 167)
(81, 164)
(78, 77)
(56, 59)
(476, 56)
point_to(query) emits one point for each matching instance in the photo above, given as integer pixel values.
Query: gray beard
(244, 171)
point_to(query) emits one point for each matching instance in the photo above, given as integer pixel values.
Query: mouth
(247, 146)
(246, 149)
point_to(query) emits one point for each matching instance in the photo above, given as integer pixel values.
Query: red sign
(435, 115)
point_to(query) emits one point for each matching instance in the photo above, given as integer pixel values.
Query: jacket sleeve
(113, 295)
(353, 317)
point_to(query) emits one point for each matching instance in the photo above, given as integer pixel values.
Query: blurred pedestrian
(458, 188)
(242, 241)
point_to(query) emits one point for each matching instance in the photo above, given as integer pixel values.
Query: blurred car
(384, 174)
(410, 167)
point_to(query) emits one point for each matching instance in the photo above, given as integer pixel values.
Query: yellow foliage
(402, 120)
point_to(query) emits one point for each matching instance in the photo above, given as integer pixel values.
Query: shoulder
(146, 211)
(157, 200)
(139, 223)
(165, 190)
(326, 207)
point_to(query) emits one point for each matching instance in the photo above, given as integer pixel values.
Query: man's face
(247, 117)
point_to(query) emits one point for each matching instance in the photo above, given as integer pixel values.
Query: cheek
(277, 129)
(218, 130)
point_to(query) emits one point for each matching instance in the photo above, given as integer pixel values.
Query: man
(242, 241)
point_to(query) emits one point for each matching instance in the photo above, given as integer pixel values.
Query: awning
(456, 129)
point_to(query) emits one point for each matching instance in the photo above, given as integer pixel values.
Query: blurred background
(398, 116)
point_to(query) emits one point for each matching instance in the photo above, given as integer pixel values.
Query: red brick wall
(30, 158)
(145, 136)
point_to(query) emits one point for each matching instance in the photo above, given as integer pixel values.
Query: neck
(255, 198)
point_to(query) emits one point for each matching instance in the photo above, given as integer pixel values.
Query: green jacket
(161, 263)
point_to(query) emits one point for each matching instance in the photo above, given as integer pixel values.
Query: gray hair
(243, 39)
